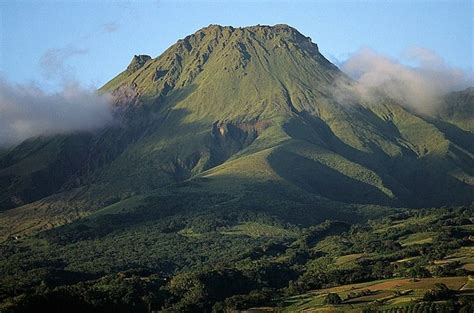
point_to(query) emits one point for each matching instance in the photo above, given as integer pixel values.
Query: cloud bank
(418, 87)
(27, 111)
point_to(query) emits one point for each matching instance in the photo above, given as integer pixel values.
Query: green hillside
(257, 105)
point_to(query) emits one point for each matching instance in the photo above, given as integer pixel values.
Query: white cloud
(418, 87)
(27, 111)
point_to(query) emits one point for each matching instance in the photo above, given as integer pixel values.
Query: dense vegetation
(231, 260)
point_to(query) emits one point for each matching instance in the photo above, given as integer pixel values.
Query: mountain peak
(263, 31)
(235, 63)
(137, 62)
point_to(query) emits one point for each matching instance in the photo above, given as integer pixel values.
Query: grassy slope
(239, 75)
(270, 82)
(269, 77)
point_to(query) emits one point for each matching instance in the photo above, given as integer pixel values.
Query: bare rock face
(137, 62)
(125, 96)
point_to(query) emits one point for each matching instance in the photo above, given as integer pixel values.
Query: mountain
(250, 117)
(243, 170)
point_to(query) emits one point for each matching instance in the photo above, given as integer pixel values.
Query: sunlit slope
(458, 109)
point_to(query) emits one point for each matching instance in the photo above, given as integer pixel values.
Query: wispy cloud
(418, 86)
(27, 111)
(54, 62)
(110, 27)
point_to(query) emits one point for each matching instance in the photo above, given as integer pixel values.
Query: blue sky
(92, 41)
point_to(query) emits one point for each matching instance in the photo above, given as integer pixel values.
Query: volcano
(254, 118)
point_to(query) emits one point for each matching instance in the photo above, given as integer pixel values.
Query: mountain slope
(276, 77)
(248, 112)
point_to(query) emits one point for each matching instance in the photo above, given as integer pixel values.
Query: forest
(266, 264)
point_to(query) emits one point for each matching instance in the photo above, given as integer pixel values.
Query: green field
(383, 294)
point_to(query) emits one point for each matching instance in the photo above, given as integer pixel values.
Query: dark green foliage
(253, 299)
(316, 233)
(439, 292)
(125, 292)
(418, 271)
(156, 265)
(450, 269)
(333, 298)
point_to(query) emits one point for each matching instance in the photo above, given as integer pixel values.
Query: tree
(438, 292)
(419, 271)
(332, 298)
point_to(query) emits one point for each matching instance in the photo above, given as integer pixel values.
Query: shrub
(332, 298)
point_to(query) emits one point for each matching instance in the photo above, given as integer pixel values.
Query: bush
(439, 292)
(332, 298)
